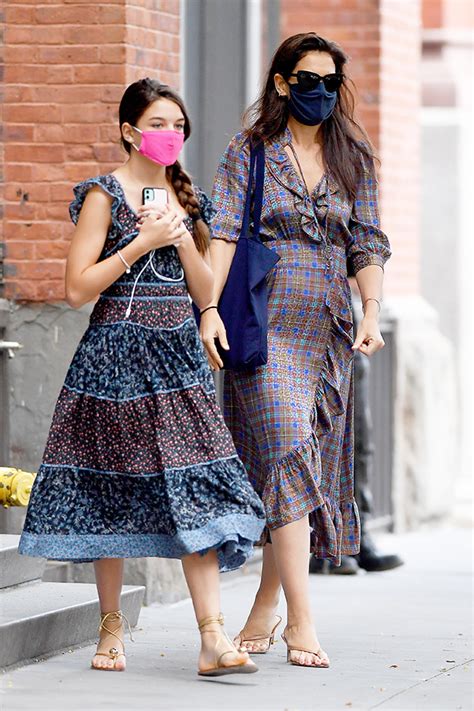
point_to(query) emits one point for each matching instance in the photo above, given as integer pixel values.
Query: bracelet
(207, 309)
(127, 266)
(371, 298)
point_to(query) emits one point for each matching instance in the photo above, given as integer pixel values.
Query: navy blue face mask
(311, 107)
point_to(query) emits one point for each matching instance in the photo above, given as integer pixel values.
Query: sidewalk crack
(419, 683)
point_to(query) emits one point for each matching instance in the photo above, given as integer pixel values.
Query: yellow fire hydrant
(15, 486)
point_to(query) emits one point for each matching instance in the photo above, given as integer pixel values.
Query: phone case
(159, 196)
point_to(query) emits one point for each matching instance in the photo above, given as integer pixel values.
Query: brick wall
(382, 40)
(66, 65)
(2, 150)
(432, 13)
(152, 40)
(448, 14)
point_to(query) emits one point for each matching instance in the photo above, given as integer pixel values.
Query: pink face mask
(161, 147)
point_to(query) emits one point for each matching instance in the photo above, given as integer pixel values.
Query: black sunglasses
(307, 81)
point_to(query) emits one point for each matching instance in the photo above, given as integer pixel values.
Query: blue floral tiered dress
(138, 460)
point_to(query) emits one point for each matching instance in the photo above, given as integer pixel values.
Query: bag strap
(257, 170)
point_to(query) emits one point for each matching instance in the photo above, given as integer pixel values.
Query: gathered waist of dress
(150, 290)
(151, 311)
(152, 305)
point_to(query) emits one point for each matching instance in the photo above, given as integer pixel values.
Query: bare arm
(86, 278)
(197, 269)
(212, 327)
(370, 281)
(222, 254)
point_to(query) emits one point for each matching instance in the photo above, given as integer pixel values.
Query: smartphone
(156, 196)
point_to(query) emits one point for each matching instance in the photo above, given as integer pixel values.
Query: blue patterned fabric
(99, 368)
(139, 461)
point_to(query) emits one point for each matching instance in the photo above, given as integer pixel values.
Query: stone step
(57, 572)
(14, 568)
(40, 619)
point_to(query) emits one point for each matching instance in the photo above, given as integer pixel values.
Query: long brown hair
(344, 141)
(136, 99)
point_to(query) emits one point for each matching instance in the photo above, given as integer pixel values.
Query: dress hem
(329, 525)
(232, 536)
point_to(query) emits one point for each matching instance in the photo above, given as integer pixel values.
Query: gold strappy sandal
(240, 640)
(325, 661)
(245, 666)
(113, 652)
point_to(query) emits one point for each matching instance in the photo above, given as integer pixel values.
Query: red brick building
(66, 65)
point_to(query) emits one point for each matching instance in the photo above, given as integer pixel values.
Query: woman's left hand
(369, 339)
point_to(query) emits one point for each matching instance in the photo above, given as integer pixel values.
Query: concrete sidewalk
(397, 640)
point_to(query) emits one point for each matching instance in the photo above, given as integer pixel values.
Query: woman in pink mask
(138, 460)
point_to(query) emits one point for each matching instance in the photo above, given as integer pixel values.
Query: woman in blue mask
(291, 419)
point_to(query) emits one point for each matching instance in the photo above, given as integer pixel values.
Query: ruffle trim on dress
(329, 401)
(231, 536)
(291, 489)
(282, 170)
(293, 485)
(335, 529)
(335, 526)
(312, 211)
(108, 185)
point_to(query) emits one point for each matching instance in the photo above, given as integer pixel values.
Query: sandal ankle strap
(119, 617)
(202, 624)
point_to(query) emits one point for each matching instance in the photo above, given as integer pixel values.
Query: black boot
(322, 566)
(371, 560)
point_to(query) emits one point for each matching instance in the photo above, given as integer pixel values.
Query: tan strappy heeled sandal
(113, 652)
(269, 639)
(324, 659)
(245, 666)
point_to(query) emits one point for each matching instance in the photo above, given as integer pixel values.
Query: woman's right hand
(161, 230)
(212, 328)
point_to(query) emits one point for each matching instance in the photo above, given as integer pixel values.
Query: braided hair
(184, 190)
(136, 99)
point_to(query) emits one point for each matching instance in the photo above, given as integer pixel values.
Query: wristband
(207, 309)
(127, 266)
(371, 299)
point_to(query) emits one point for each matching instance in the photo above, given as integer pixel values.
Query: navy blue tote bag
(243, 306)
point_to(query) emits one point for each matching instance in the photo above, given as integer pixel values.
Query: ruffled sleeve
(368, 245)
(230, 187)
(108, 185)
(206, 208)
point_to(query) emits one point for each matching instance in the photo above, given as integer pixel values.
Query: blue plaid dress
(292, 419)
